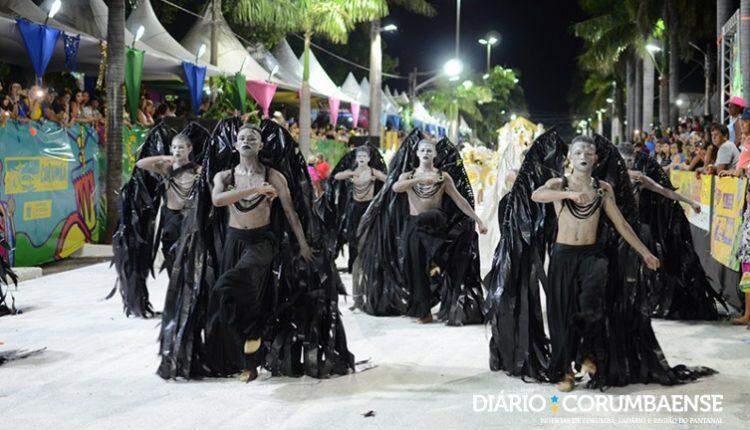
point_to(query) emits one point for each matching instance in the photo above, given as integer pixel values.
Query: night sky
(536, 39)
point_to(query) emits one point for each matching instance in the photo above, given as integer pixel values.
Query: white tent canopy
(232, 55)
(156, 65)
(351, 88)
(319, 79)
(387, 106)
(156, 36)
(264, 57)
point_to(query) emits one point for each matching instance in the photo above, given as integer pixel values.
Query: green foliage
(226, 96)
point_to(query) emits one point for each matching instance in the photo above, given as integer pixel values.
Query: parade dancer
(162, 181)
(594, 284)
(239, 303)
(247, 290)
(417, 247)
(680, 290)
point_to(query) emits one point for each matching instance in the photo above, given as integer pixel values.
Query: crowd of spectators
(703, 145)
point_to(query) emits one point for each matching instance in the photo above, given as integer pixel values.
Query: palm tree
(332, 19)
(420, 7)
(451, 99)
(115, 76)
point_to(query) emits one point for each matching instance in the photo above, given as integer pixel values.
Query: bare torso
(179, 187)
(423, 198)
(259, 216)
(363, 183)
(570, 229)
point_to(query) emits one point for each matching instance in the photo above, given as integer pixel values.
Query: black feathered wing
(7, 276)
(680, 289)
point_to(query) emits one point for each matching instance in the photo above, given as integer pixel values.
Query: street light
(138, 35)
(652, 48)
(53, 9)
(453, 68)
(489, 41)
(201, 51)
(389, 28)
(610, 100)
(678, 102)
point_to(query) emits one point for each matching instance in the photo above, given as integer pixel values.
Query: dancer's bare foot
(567, 384)
(588, 366)
(251, 345)
(743, 320)
(248, 375)
(425, 319)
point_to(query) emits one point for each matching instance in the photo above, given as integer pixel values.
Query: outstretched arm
(221, 197)
(625, 229)
(346, 174)
(278, 181)
(157, 164)
(552, 192)
(460, 201)
(654, 186)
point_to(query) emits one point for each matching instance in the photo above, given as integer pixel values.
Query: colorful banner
(194, 77)
(132, 139)
(49, 197)
(133, 73)
(696, 189)
(40, 41)
(729, 200)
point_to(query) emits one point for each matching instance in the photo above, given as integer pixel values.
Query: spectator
(323, 168)
(728, 153)
(735, 108)
(314, 176)
(662, 154)
(743, 159)
(144, 114)
(77, 109)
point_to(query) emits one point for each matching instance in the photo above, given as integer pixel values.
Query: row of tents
(163, 55)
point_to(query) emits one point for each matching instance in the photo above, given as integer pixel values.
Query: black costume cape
(6, 274)
(338, 194)
(382, 258)
(137, 238)
(305, 335)
(680, 289)
(519, 344)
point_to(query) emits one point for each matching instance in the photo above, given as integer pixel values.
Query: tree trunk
(115, 76)
(617, 110)
(723, 12)
(674, 63)
(648, 93)
(376, 77)
(305, 115)
(664, 101)
(630, 96)
(745, 48)
(638, 113)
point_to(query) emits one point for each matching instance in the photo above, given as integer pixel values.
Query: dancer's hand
(651, 261)
(306, 252)
(579, 198)
(696, 207)
(268, 190)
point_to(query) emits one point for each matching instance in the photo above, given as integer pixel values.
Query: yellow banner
(729, 200)
(38, 209)
(391, 141)
(35, 174)
(698, 190)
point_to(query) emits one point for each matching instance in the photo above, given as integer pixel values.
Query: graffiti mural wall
(49, 190)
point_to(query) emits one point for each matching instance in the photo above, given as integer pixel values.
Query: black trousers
(355, 211)
(241, 300)
(423, 237)
(170, 234)
(577, 280)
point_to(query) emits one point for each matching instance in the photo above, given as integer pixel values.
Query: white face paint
(181, 149)
(363, 158)
(248, 142)
(582, 156)
(629, 161)
(426, 152)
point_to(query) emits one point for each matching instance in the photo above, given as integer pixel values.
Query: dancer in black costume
(164, 173)
(680, 290)
(624, 349)
(450, 236)
(353, 183)
(298, 325)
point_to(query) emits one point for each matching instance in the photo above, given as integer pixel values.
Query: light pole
(706, 78)
(489, 41)
(458, 25)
